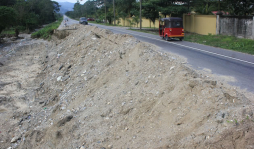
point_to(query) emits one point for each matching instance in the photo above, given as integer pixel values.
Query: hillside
(66, 6)
(96, 89)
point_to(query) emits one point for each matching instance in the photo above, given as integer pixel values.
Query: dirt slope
(96, 89)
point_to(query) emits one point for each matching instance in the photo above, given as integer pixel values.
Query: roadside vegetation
(26, 15)
(10, 32)
(222, 41)
(47, 31)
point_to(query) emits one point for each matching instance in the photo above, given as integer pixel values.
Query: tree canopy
(239, 7)
(152, 8)
(7, 17)
(27, 14)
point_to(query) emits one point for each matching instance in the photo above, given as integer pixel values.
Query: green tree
(27, 13)
(238, 7)
(205, 6)
(125, 6)
(150, 10)
(89, 9)
(7, 2)
(32, 13)
(7, 17)
(56, 6)
(44, 8)
(234, 7)
(31, 20)
(77, 9)
(123, 15)
(22, 8)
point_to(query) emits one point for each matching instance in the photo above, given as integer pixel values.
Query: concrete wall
(241, 27)
(200, 24)
(145, 23)
(188, 23)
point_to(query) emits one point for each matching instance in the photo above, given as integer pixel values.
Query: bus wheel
(180, 39)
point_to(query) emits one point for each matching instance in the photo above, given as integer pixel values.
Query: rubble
(95, 89)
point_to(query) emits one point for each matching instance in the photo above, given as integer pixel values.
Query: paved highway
(65, 24)
(236, 68)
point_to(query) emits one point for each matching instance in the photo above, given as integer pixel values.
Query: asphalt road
(236, 68)
(65, 24)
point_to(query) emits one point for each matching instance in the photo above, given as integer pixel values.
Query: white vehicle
(83, 20)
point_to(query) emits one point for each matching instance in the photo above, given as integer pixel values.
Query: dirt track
(96, 89)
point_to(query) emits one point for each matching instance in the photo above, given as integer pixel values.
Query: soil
(96, 89)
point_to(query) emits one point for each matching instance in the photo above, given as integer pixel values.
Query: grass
(10, 31)
(151, 27)
(223, 41)
(47, 31)
(229, 121)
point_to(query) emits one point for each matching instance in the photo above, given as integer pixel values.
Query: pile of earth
(96, 89)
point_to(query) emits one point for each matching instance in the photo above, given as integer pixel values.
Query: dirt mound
(96, 89)
(61, 34)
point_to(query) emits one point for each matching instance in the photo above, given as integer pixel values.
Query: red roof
(215, 12)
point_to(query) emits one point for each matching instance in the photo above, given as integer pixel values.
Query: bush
(98, 21)
(47, 31)
(7, 17)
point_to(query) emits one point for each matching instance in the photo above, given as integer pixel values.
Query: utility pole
(114, 13)
(140, 14)
(105, 12)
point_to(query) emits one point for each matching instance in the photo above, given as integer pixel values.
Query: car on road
(83, 20)
(90, 19)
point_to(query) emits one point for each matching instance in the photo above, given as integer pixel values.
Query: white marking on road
(236, 59)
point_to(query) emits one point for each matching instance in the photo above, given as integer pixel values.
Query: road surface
(235, 67)
(65, 24)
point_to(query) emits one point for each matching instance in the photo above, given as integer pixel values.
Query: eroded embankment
(96, 89)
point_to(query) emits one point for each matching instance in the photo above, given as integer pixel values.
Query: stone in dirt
(64, 120)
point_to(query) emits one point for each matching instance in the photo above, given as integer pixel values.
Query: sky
(71, 1)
